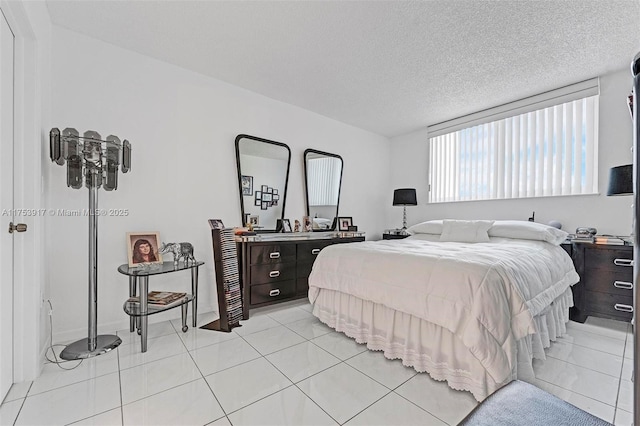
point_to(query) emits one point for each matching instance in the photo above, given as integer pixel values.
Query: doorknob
(20, 227)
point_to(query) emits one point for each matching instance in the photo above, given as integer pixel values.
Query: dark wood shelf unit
(606, 284)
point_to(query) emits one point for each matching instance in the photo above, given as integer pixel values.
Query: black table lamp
(621, 180)
(404, 197)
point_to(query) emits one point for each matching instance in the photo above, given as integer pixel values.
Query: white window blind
(545, 152)
(324, 181)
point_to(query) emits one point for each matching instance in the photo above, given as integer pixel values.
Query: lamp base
(80, 349)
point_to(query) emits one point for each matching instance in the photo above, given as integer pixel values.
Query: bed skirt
(433, 349)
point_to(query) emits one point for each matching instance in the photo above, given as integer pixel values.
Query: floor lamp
(635, 112)
(96, 161)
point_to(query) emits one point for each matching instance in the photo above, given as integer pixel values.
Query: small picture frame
(216, 224)
(344, 223)
(247, 185)
(269, 190)
(353, 228)
(257, 202)
(267, 196)
(286, 225)
(264, 205)
(306, 224)
(142, 248)
(254, 220)
(276, 197)
(263, 188)
(258, 195)
(275, 191)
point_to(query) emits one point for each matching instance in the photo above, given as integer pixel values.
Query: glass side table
(139, 312)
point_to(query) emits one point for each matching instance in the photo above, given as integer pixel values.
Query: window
(542, 146)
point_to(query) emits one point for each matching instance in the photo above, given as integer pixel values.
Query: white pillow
(525, 230)
(466, 231)
(429, 227)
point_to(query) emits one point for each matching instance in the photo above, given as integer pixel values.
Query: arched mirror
(263, 173)
(323, 177)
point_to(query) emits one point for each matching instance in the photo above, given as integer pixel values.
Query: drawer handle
(623, 308)
(623, 284)
(275, 292)
(274, 274)
(274, 255)
(315, 251)
(623, 262)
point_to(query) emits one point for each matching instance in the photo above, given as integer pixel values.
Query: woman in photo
(143, 252)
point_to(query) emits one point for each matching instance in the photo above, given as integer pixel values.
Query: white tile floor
(285, 367)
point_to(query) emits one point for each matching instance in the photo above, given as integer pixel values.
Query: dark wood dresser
(274, 271)
(606, 281)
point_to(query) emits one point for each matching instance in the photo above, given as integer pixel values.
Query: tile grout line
(205, 380)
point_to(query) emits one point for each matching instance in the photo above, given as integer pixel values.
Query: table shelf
(133, 308)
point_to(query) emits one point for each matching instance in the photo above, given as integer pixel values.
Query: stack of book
(161, 298)
(608, 239)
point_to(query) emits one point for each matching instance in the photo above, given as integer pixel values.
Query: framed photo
(263, 188)
(353, 229)
(276, 197)
(267, 197)
(306, 224)
(344, 223)
(254, 220)
(142, 247)
(274, 203)
(269, 190)
(258, 195)
(247, 185)
(264, 205)
(286, 225)
(275, 191)
(257, 202)
(216, 224)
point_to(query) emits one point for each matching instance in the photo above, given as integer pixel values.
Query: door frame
(31, 83)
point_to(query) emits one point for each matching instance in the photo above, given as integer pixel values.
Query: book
(602, 239)
(163, 298)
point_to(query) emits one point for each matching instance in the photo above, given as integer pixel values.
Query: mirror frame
(306, 186)
(286, 181)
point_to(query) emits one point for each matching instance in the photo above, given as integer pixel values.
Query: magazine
(163, 298)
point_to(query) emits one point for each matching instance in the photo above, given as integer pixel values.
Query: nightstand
(606, 281)
(387, 236)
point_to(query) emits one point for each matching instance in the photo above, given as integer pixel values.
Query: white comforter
(485, 293)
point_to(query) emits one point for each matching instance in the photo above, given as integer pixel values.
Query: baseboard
(69, 336)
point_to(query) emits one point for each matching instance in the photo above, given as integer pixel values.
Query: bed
(469, 302)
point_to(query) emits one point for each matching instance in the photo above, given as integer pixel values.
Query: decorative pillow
(525, 230)
(429, 227)
(466, 231)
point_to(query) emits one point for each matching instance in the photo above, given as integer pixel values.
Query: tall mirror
(323, 177)
(263, 173)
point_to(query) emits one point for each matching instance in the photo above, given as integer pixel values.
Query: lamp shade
(621, 180)
(405, 197)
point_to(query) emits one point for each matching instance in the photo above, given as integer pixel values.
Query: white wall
(182, 127)
(610, 215)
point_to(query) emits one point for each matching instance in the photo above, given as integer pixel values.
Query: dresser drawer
(307, 252)
(273, 291)
(610, 259)
(304, 269)
(272, 254)
(273, 272)
(609, 304)
(609, 282)
(302, 286)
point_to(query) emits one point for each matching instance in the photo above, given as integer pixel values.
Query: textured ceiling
(390, 67)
